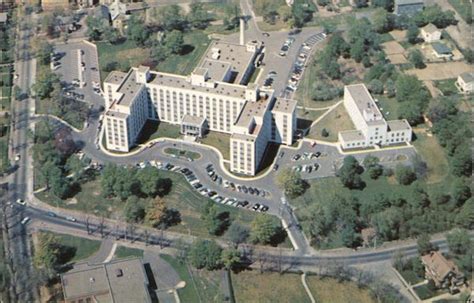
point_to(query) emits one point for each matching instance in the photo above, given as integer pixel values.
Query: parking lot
(77, 65)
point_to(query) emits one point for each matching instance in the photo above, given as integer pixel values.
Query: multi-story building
(215, 95)
(371, 127)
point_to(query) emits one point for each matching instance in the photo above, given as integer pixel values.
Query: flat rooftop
(365, 103)
(193, 120)
(115, 77)
(396, 125)
(117, 281)
(215, 70)
(352, 135)
(253, 109)
(235, 55)
(286, 106)
(177, 81)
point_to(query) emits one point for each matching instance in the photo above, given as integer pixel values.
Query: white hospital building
(216, 97)
(371, 127)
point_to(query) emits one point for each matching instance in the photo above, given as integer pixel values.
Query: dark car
(51, 214)
(265, 34)
(264, 208)
(251, 191)
(256, 206)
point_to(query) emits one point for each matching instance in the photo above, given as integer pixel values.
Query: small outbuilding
(193, 126)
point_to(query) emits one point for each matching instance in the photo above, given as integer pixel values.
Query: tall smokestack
(242, 30)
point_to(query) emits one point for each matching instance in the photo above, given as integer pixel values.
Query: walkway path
(305, 285)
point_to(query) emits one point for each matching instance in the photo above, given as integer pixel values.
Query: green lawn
(334, 122)
(4, 162)
(196, 43)
(84, 248)
(411, 277)
(125, 252)
(201, 286)
(463, 7)
(251, 286)
(181, 197)
(447, 87)
(154, 130)
(221, 141)
(388, 107)
(182, 153)
(424, 292)
(126, 54)
(330, 290)
(434, 156)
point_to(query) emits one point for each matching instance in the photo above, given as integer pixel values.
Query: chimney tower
(242, 31)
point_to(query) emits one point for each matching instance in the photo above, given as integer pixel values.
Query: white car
(70, 218)
(17, 157)
(21, 202)
(25, 220)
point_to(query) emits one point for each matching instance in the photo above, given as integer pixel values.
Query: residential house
(431, 33)
(465, 82)
(443, 272)
(408, 7)
(118, 281)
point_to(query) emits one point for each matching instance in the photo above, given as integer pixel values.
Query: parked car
(25, 220)
(70, 218)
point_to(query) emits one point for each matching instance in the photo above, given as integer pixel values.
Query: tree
(174, 42)
(230, 258)
(390, 87)
(461, 162)
(349, 173)
(381, 21)
(358, 50)
(264, 229)
(412, 34)
(459, 242)
(404, 175)
(376, 86)
(324, 133)
(237, 233)
(216, 222)
(468, 54)
(291, 182)
(198, 16)
(44, 52)
(149, 179)
(424, 244)
(137, 31)
(416, 58)
(44, 84)
(118, 181)
(112, 35)
(134, 210)
(170, 17)
(465, 217)
(159, 52)
(206, 254)
(460, 191)
(155, 212)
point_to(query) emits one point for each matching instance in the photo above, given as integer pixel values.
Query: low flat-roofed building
(441, 50)
(430, 33)
(3, 18)
(465, 82)
(119, 281)
(408, 7)
(193, 126)
(371, 127)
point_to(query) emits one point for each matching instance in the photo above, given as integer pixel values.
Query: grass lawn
(182, 153)
(255, 75)
(447, 87)
(201, 286)
(334, 122)
(154, 130)
(126, 54)
(221, 141)
(251, 286)
(463, 7)
(388, 107)
(330, 290)
(196, 43)
(305, 118)
(84, 248)
(125, 252)
(434, 156)
(424, 292)
(4, 162)
(411, 277)
(278, 26)
(181, 197)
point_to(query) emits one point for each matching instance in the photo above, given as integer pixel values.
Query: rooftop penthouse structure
(216, 94)
(371, 127)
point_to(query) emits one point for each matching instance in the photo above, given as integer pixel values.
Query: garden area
(79, 248)
(176, 152)
(447, 87)
(157, 129)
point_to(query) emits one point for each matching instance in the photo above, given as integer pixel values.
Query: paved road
(20, 253)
